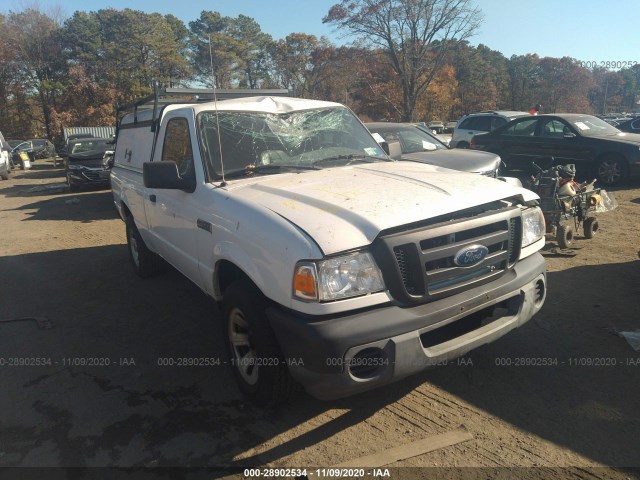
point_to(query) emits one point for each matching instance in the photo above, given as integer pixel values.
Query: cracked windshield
(270, 143)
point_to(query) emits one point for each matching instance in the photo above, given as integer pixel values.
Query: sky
(583, 29)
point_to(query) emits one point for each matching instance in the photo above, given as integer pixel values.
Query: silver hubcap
(244, 355)
(609, 171)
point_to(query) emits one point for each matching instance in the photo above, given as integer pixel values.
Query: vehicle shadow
(122, 389)
(39, 172)
(144, 404)
(83, 207)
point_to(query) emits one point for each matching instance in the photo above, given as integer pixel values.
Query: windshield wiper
(267, 169)
(351, 157)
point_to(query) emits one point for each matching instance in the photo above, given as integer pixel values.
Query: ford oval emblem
(470, 255)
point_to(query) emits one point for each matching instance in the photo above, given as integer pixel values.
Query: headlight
(75, 167)
(533, 226)
(337, 278)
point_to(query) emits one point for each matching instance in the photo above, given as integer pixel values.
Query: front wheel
(254, 355)
(564, 235)
(611, 171)
(145, 262)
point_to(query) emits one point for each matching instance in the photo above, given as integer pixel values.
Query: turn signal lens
(305, 281)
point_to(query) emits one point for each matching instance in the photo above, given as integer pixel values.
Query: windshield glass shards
(263, 143)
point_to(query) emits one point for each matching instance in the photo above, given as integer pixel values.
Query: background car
(84, 162)
(631, 125)
(440, 136)
(14, 142)
(418, 145)
(42, 148)
(479, 123)
(20, 148)
(596, 148)
(436, 125)
(449, 126)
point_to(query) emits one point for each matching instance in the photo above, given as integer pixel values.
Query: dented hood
(347, 207)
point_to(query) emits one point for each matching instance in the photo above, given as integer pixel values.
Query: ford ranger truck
(335, 267)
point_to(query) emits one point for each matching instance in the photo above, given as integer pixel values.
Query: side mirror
(385, 147)
(381, 141)
(395, 151)
(164, 175)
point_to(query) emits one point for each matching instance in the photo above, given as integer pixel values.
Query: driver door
(171, 214)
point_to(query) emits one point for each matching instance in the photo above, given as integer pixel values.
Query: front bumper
(88, 176)
(326, 355)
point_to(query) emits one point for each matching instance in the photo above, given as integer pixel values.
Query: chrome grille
(423, 266)
(92, 174)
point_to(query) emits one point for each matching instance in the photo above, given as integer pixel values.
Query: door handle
(152, 198)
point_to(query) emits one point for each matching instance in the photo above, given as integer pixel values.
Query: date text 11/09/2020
(316, 472)
(67, 362)
(570, 362)
(609, 64)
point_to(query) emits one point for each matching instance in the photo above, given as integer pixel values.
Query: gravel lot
(84, 343)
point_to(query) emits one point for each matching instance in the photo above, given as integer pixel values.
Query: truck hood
(457, 159)
(347, 207)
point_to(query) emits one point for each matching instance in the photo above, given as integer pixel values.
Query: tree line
(411, 60)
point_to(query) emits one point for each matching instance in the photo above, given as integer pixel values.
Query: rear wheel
(145, 262)
(254, 354)
(591, 227)
(564, 235)
(464, 145)
(612, 170)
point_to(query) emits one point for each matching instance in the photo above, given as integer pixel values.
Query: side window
(466, 124)
(177, 146)
(524, 128)
(482, 124)
(497, 122)
(553, 129)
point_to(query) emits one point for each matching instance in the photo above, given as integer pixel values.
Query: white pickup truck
(335, 266)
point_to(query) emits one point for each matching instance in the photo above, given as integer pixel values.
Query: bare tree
(415, 34)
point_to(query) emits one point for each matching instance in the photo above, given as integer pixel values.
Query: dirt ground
(94, 392)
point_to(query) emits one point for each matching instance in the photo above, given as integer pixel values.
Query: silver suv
(478, 123)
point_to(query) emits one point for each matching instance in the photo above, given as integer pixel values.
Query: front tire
(145, 262)
(253, 352)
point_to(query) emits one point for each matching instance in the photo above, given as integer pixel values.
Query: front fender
(264, 246)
